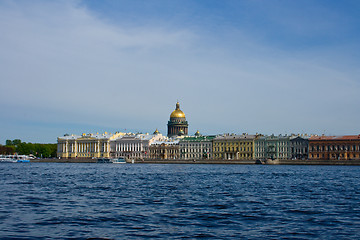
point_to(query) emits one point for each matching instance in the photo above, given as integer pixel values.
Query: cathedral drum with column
(177, 125)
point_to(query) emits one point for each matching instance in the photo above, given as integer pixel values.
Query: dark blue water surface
(151, 201)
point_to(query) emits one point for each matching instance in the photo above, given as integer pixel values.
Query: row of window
(132, 155)
(270, 143)
(195, 150)
(195, 145)
(335, 156)
(275, 154)
(153, 151)
(233, 144)
(232, 149)
(279, 149)
(335, 148)
(233, 156)
(191, 156)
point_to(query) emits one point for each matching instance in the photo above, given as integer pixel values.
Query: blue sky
(254, 66)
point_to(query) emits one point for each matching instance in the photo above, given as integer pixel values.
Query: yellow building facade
(234, 147)
(86, 145)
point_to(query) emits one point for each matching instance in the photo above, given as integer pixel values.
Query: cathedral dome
(177, 113)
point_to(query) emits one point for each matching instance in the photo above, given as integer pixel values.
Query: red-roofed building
(334, 147)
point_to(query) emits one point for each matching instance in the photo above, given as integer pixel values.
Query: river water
(154, 201)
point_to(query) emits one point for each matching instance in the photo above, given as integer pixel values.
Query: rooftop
(334, 138)
(104, 135)
(235, 137)
(197, 138)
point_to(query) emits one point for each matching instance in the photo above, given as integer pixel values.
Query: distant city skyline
(265, 67)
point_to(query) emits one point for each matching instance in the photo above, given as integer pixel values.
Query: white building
(196, 147)
(133, 146)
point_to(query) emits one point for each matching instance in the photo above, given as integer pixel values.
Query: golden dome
(177, 113)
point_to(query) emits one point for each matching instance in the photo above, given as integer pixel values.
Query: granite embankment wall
(56, 160)
(191, 161)
(212, 161)
(275, 162)
(320, 162)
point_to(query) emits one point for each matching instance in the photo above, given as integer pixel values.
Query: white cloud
(64, 57)
(62, 64)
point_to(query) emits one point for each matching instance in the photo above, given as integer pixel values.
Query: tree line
(22, 148)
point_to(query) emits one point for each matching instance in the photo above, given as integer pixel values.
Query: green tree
(16, 142)
(37, 149)
(7, 150)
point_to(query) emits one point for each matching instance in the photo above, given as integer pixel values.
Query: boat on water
(7, 159)
(14, 159)
(113, 160)
(118, 160)
(103, 160)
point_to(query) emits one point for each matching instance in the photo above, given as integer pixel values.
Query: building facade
(86, 145)
(133, 146)
(164, 150)
(334, 147)
(196, 147)
(177, 125)
(272, 147)
(234, 147)
(299, 147)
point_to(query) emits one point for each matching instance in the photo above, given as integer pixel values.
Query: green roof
(198, 138)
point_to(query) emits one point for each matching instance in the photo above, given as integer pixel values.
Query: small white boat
(14, 158)
(7, 159)
(118, 160)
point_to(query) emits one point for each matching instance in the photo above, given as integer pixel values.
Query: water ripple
(105, 201)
